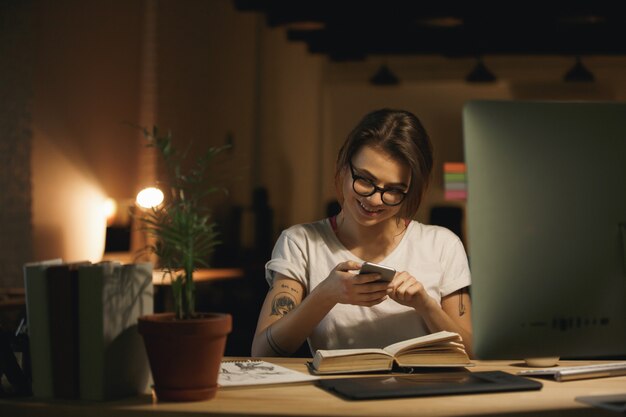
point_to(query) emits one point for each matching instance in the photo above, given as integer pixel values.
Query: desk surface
(200, 275)
(554, 399)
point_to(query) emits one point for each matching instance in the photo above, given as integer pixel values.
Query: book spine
(36, 289)
(63, 319)
(90, 334)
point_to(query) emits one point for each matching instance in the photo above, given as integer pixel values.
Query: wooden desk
(201, 275)
(554, 399)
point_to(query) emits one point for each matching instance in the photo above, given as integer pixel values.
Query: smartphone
(386, 273)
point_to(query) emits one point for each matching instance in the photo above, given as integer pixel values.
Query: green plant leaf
(184, 234)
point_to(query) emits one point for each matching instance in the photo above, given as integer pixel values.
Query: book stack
(82, 320)
(455, 181)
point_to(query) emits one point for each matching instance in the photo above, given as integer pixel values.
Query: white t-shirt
(433, 255)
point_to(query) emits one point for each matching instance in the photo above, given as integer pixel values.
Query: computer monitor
(546, 223)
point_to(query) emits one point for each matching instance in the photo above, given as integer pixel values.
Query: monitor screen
(546, 224)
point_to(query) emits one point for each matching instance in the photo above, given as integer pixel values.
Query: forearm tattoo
(270, 341)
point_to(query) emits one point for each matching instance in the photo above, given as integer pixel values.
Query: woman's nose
(376, 198)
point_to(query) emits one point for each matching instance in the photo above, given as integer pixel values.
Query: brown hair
(401, 135)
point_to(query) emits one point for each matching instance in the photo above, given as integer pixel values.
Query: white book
(112, 359)
(258, 372)
(36, 288)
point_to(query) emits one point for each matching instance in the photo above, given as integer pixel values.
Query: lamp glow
(109, 208)
(149, 197)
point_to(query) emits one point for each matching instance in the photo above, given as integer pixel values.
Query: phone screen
(386, 273)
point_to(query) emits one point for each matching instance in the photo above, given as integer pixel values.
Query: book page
(428, 339)
(448, 357)
(335, 353)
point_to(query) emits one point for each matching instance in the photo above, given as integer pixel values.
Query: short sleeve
(456, 268)
(288, 259)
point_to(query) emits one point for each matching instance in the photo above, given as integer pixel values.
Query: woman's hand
(407, 290)
(454, 313)
(349, 288)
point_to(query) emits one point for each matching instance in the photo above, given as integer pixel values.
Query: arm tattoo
(282, 304)
(287, 287)
(461, 304)
(270, 340)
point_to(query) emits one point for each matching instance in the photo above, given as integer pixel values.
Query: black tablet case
(420, 385)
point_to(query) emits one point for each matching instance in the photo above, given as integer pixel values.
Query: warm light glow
(68, 221)
(109, 208)
(149, 197)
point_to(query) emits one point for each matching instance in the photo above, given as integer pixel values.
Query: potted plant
(185, 348)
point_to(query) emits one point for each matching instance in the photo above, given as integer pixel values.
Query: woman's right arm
(282, 327)
(287, 317)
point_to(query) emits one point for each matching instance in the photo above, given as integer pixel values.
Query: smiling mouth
(369, 210)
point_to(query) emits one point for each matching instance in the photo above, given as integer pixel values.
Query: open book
(434, 350)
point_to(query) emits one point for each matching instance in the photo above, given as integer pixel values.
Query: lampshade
(384, 76)
(480, 73)
(578, 73)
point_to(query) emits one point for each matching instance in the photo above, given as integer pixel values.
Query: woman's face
(380, 169)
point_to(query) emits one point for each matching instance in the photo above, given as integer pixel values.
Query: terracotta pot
(185, 355)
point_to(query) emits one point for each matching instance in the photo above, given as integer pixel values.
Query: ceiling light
(480, 73)
(306, 25)
(440, 22)
(384, 76)
(579, 73)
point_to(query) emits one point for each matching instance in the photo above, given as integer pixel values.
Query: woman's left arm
(458, 308)
(454, 314)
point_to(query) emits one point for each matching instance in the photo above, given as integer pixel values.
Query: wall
(223, 73)
(206, 72)
(291, 128)
(85, 84)
(225, 77)
(207, 94)
(15, 140)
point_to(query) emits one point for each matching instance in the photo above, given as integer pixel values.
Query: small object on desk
(567, 373)
(542, 362)
(426, 384)
(258, 372)
(615, 402)
(441, 349)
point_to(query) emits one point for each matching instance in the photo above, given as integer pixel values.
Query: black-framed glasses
(365, 188)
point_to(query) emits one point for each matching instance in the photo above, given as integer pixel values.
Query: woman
(381, 175)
